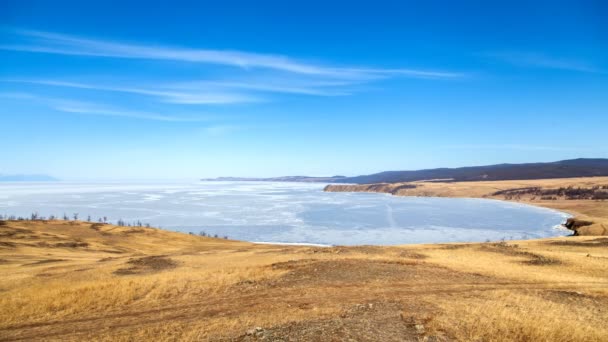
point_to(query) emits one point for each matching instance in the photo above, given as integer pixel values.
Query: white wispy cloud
(273, 85)
(178, 97)
(55, 43)
(254, 78)
(89, 108)
(211, 92)
(540, 60)
(95, 109)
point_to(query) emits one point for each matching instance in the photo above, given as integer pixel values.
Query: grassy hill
(84, 281)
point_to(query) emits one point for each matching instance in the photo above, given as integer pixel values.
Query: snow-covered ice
(286, 212)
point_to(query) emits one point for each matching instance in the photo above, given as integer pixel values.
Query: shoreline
(557, 229)
(580, 222)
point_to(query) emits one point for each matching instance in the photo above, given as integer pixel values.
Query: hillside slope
(75, 281)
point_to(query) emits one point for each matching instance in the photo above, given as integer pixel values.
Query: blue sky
(119, 90)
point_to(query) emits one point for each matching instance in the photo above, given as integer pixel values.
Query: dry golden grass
(508, 316)
(68, 281)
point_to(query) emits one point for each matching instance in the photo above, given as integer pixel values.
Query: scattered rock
(379, 321)
(583, 227)
(573, 223)
(255, 332)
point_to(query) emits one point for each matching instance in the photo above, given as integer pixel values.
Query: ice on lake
(286, 212)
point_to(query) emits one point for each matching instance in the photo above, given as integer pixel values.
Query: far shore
(589, 216)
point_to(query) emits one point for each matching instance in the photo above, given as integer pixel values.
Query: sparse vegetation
(36, 217)
(598, 192)
(64, 280)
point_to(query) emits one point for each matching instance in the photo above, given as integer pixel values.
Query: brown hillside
(79, 281)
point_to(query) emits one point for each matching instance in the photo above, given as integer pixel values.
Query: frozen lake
(286, 212)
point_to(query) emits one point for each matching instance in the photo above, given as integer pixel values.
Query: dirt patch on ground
(333, 271)
(112, 251)
(134, 231)
(73, 244)
(149, 264)
(539, 260)
(601, 242)
(368, 250)
(576, 298)
(97, 226)
(311, 271)
(514, 250)
(7, 244)
(68, 244)
(412, 255)
(45, 261)
(377, 321)
(107, 259)
(13, 232)
(451, 247)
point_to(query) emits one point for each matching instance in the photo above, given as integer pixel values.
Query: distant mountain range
(276, 179)
(559, 169)
(27, 178)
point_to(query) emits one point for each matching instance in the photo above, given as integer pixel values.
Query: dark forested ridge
(560, 169)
